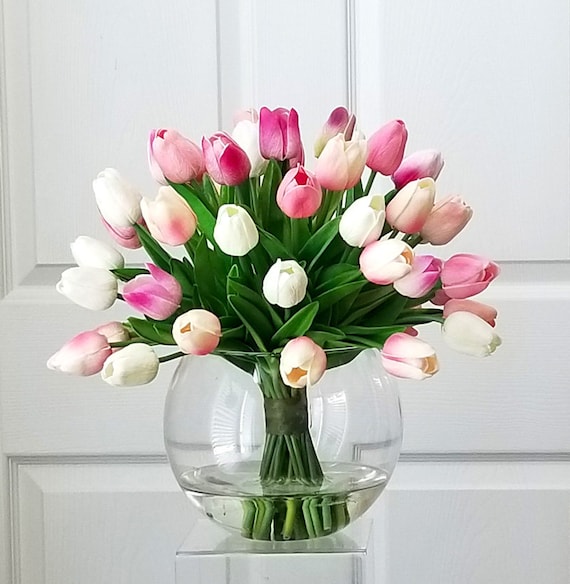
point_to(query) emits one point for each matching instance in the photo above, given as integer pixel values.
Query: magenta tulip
(446, 220)
(156, 295)
(418, 165)
(422, 277)
(386, 147)
(484, 311)
(226, 162)
(173, 157)
(408, 357)
(299, 195)
(336, 124)
(409, 209)
(84, 354)
(279, 135)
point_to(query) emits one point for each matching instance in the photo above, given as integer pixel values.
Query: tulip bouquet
(286, 269)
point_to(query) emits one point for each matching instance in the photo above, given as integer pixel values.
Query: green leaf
(126, 274)
(335, 276)
(206, 220)
(376, 334)
(273, 246)
(152, 330)
(160, 257)
(319, 242)
(388, 313)
(335, 295)
(184, 275)
(297, 325)
(256, 323)
(369, 301)
(270, 216)
(210, 274)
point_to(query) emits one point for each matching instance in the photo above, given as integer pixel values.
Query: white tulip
(468, 333)
(285, 283)
(89, 252)
(92, 288)
(118, 201)
(246, 134)
(363, 221)
(235, 232)
(302, 362)
(135, 364)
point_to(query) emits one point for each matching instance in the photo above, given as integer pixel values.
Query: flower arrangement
(303, 268)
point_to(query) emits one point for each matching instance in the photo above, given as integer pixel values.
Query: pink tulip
(341, 162)
(169, 217)
(197, 332)
(418, 165)
(336, 124)
(226, 161)
(409, 209)
(421, 279)
(124, 236)
(446, 220)
(384, 262)
(386, 147)
(408, 357)
(484, 311)
(84, 354)
(113, 331)
(279, 135)
(172, 156)
(302, 363)
(156, 295)
(299, 195)
(464, 275)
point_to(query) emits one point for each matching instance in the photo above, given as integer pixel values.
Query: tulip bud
(118, 202)
(84, 354)
(157, 295)
(466, 333)
(299, 195)
(422, 277)
(446, 220)
(169, 217)
(409, 209)
(197, 332)
(408, 357)
(386, 147)
(302, 363)
(246, 135)
(113, 331)
(464, 275)
(484, 311)
(384, 262)
(92, 288)
(173, 157)
(341, 162)
(285, 283)
(336, 124)
(363, 221)
(225, 161)
(235, 232)
(422, 164)
(279, 135)
(125, 236)
(92, 253)
(134, 364)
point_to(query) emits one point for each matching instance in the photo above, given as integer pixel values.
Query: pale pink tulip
(125, 236)
(248, 114)
(409, 209)
(341, 162)
(173, 157)
(446, 220)
(336, 124)
(386, 147)
(384, 262)
(484, 311)
(113, 331)
(408, 357)
(226, 162)
(279, 135)
(84, 354)
(422, 277)
(302, 363)
(464, 275)
(299, 195)
(169, 217)
(197, 332)
(156, 295)
(418, 165)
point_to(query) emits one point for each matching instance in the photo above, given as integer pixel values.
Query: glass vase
(277, 463)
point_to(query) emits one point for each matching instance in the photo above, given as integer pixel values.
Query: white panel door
(482, 493)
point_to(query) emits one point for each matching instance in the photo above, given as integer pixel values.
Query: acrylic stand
(211, 555)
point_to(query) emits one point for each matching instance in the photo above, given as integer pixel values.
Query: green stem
(170, 357)
(369, 183)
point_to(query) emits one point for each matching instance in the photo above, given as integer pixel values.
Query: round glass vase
(277, 463)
